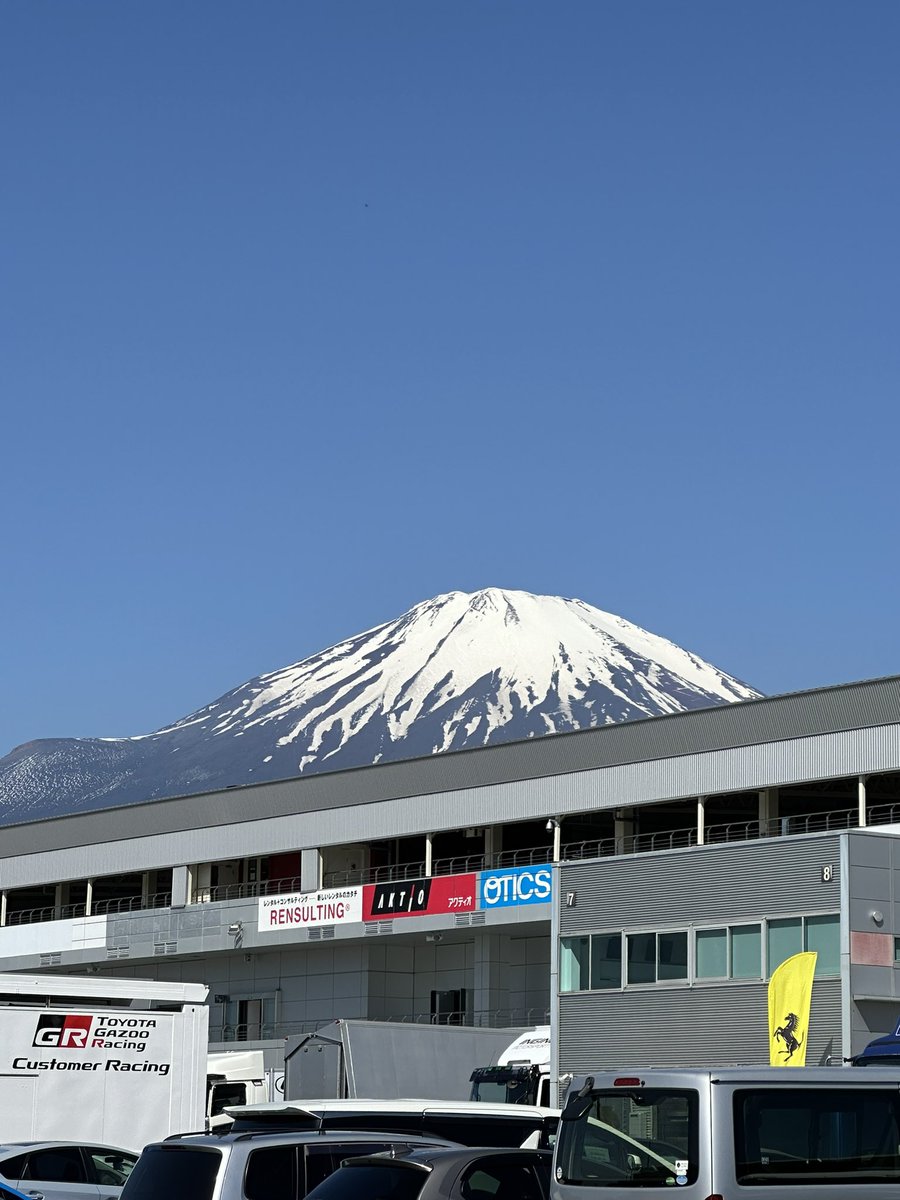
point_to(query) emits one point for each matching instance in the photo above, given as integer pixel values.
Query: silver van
(738, 1133)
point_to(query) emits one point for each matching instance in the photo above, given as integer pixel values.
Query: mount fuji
(459, 671)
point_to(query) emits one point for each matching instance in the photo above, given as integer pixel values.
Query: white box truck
(119, 1062)
(387, 1060)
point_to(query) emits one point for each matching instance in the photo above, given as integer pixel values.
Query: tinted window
(494, 1179)
(224, 1095)
(60, 1165)
(322, 1160)
(390, 1182)
(817, 1136)
(176, 1173)
(271, 1174)
(12, 1168)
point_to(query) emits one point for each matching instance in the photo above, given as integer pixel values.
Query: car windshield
(390, 1182)
(175, 1172)
(640, 1136)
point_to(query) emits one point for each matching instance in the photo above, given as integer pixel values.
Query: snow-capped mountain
(458, 671)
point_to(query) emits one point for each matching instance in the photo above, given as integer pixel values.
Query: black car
(470, 1173)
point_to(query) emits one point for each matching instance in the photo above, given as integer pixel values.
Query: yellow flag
(790, 993)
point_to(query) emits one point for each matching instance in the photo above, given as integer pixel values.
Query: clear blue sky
(313, 310)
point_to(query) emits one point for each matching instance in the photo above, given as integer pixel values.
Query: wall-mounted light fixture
(877, 916)
(236, 928)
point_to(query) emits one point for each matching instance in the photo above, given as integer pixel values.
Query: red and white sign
(419, 897)
(306, 910)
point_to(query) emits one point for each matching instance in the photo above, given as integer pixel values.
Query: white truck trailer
(388, 1060)
(119, 1062)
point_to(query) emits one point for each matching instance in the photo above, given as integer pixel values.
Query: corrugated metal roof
(862, 705)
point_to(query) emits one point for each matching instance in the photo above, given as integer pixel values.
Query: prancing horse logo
(786, 1033)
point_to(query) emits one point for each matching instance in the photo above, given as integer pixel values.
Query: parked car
(466, 1173)
(462, 1122)
(65, 1170)
(260, 1165)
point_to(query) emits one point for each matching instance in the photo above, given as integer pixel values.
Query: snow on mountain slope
(458, 671)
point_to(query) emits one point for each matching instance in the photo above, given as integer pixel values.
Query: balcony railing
(638, 843)
(124, 904)
(247, 891)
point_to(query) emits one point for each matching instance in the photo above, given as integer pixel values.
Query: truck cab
(521, 1074)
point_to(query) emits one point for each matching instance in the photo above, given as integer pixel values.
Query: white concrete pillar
(429, 847)
(89, 897)
(701, 820)
(491, 843)
(310, 869)
(557, 840)
(768, 811)
(490, 994)
(861, 800)
(181, 886)
(623, 830)
(3, 907)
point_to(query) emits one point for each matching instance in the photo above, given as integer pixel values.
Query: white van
(738, 1133)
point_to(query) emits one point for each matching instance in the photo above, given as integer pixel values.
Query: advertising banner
(790, 996)
(305, 910)
(515, 885)
(419, 897)
(70, 1070)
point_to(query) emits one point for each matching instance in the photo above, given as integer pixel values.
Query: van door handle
(37, 1195)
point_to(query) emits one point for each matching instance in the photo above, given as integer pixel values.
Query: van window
(644, 1137)
(817, 1136)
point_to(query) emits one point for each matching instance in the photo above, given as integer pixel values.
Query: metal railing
(638, 843)
(32, 916)
(124, 904)
(247, 891)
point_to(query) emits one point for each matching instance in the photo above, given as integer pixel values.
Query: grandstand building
(636, 883)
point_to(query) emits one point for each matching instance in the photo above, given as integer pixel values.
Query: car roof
(294, 1137)
(21, 1147)
(448, 1154)
(414, 1106)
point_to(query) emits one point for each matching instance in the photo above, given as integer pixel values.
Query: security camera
(551, 825)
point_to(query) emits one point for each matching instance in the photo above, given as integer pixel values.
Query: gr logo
(66, 1033)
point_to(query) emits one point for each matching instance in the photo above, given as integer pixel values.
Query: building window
(657, 957)
(734, 952)
(712, 954)
(574, 964)
(784, 939)
(606, 961)
(745, 958)
(590, 963)
(795, 934)
(594, 963)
